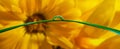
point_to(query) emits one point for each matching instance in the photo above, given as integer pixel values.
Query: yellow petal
(7, 4)
(43, 4)
(17, 12)
(73, 13)
(116, 19)
(66, 29)
(11, 11)
(52, 5)
(57, 7)
(28, 6)
(117, 5)
(59, 41)
(103, 15)
(41, 38)
(112, 43)
(45, 45)
(65, 6)
(33, 42)
(86, 5)
(88, 43)
(7, 15)
(1, 26)
(24, 42)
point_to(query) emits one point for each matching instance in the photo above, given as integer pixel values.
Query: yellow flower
(38, 36)
(59, 35)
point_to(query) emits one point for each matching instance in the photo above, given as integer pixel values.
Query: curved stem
(61, 19)
(44, 21)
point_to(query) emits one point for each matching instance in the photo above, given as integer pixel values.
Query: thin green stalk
(62, 19)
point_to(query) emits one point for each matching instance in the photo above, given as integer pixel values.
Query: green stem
(61, 19)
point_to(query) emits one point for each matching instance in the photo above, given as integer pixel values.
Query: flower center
(35, 28)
